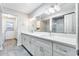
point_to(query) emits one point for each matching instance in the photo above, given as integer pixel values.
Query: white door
(10, 29)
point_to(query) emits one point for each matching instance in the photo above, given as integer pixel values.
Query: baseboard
(27, 50)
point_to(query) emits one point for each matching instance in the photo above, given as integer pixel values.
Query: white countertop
(69, 39)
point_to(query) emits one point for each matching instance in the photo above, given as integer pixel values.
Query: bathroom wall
(1, 34)
(9, 26)
(22, 22)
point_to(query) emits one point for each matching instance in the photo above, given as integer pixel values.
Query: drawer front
(47, 50)
(64, 49)
(45, 41)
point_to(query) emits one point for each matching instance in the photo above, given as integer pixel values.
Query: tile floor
(9, 43)
(15, 51)
(10, 49)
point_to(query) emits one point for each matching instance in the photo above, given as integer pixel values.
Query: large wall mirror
(64, 24)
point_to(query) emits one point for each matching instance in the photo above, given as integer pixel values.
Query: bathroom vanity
(42, 44)
(59, 39)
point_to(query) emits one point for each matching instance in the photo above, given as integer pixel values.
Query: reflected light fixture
(47, 12)
(57, 8)
(32, 19)
(51, 10)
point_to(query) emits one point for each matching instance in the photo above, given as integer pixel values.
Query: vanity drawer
(55, 53)
(64, 49)
(44, 41)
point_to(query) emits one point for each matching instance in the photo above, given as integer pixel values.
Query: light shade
(57, 8)
(32, 19)
(47, 12)
(51, 10)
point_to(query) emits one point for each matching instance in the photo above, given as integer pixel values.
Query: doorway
(9, 30)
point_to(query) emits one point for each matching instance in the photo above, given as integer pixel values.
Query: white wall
(1, 34)
(5, 20)
(21, 18)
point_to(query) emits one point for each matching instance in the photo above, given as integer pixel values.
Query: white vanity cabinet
(44, 47)
(63, 50)
(37, 46)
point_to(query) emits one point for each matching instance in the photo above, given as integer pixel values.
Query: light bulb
(57, 8)
(51, 10)
(32, 19)
(47, 12)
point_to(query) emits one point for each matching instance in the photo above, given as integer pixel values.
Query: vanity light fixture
(57, 8)
(47, 12)
(50, 10)
(53, 9)
(32, 19)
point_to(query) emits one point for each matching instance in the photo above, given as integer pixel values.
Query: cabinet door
(46, 50)
(64, 50)
(36, 47)
(28, 42)
(43, 47)
(37, 51)
(31, 44)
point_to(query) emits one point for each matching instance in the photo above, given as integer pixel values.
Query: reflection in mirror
(70, 23)
(42, 26)
(64, 24)
(58, 24)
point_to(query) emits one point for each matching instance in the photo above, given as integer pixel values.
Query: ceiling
(27, 8)
(30, 8)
